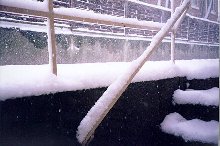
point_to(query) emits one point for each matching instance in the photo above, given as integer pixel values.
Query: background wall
(20, 47)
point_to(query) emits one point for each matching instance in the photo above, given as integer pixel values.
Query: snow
(203, 97)
(28, 80)
(103, 17)
(202, 70)
(191, 130)
(26, 4)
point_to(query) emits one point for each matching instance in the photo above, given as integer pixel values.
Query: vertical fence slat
(51, 38)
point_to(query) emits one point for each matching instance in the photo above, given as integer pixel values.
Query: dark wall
(52, 120)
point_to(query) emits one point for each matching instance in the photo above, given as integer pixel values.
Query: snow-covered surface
(27, 80)
(92, 15)
(26, 4)
(203, 97)
(191, 130)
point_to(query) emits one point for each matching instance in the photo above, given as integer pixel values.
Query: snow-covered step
(191, 130)
(203, 97)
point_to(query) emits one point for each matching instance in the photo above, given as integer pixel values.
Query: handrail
(138, 24)
(51, 15)
(104, 104)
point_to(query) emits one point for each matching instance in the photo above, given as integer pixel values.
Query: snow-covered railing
(45, 9)
(104, 104)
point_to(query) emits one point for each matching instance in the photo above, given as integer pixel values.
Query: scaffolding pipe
(51, 39)
(172, 54)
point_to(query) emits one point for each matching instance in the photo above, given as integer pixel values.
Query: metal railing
(51, 15)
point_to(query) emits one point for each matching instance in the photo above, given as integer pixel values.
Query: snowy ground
(28, 80)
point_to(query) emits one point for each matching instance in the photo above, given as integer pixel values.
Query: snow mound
(191, 130)
(203, 97)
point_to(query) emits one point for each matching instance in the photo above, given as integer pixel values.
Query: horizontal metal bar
(23, 11)
(75, 18)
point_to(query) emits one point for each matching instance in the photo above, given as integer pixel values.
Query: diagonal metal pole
(172, 54)
(98, 112)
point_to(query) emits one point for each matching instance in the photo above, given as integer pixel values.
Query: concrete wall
(81, 49)
(116, 50)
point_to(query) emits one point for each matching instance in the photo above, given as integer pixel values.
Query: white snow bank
(191, 130)
(203, 97)
(26, 4)
(92, 15)
(28, 80)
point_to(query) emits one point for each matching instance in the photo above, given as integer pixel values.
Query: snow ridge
(203, 97)
(191, 130)
(34, 80)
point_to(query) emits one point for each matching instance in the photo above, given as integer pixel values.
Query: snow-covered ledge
(28, 80)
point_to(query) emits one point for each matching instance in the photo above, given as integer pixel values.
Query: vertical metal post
(125, 13)
(172, 5)
(125, 49)
(72, 3)
(51, 38)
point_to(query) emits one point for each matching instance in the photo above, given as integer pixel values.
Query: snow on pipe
(41, 9)
(179, 21)
(172, 57)
(92, 17)
(97, 113)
